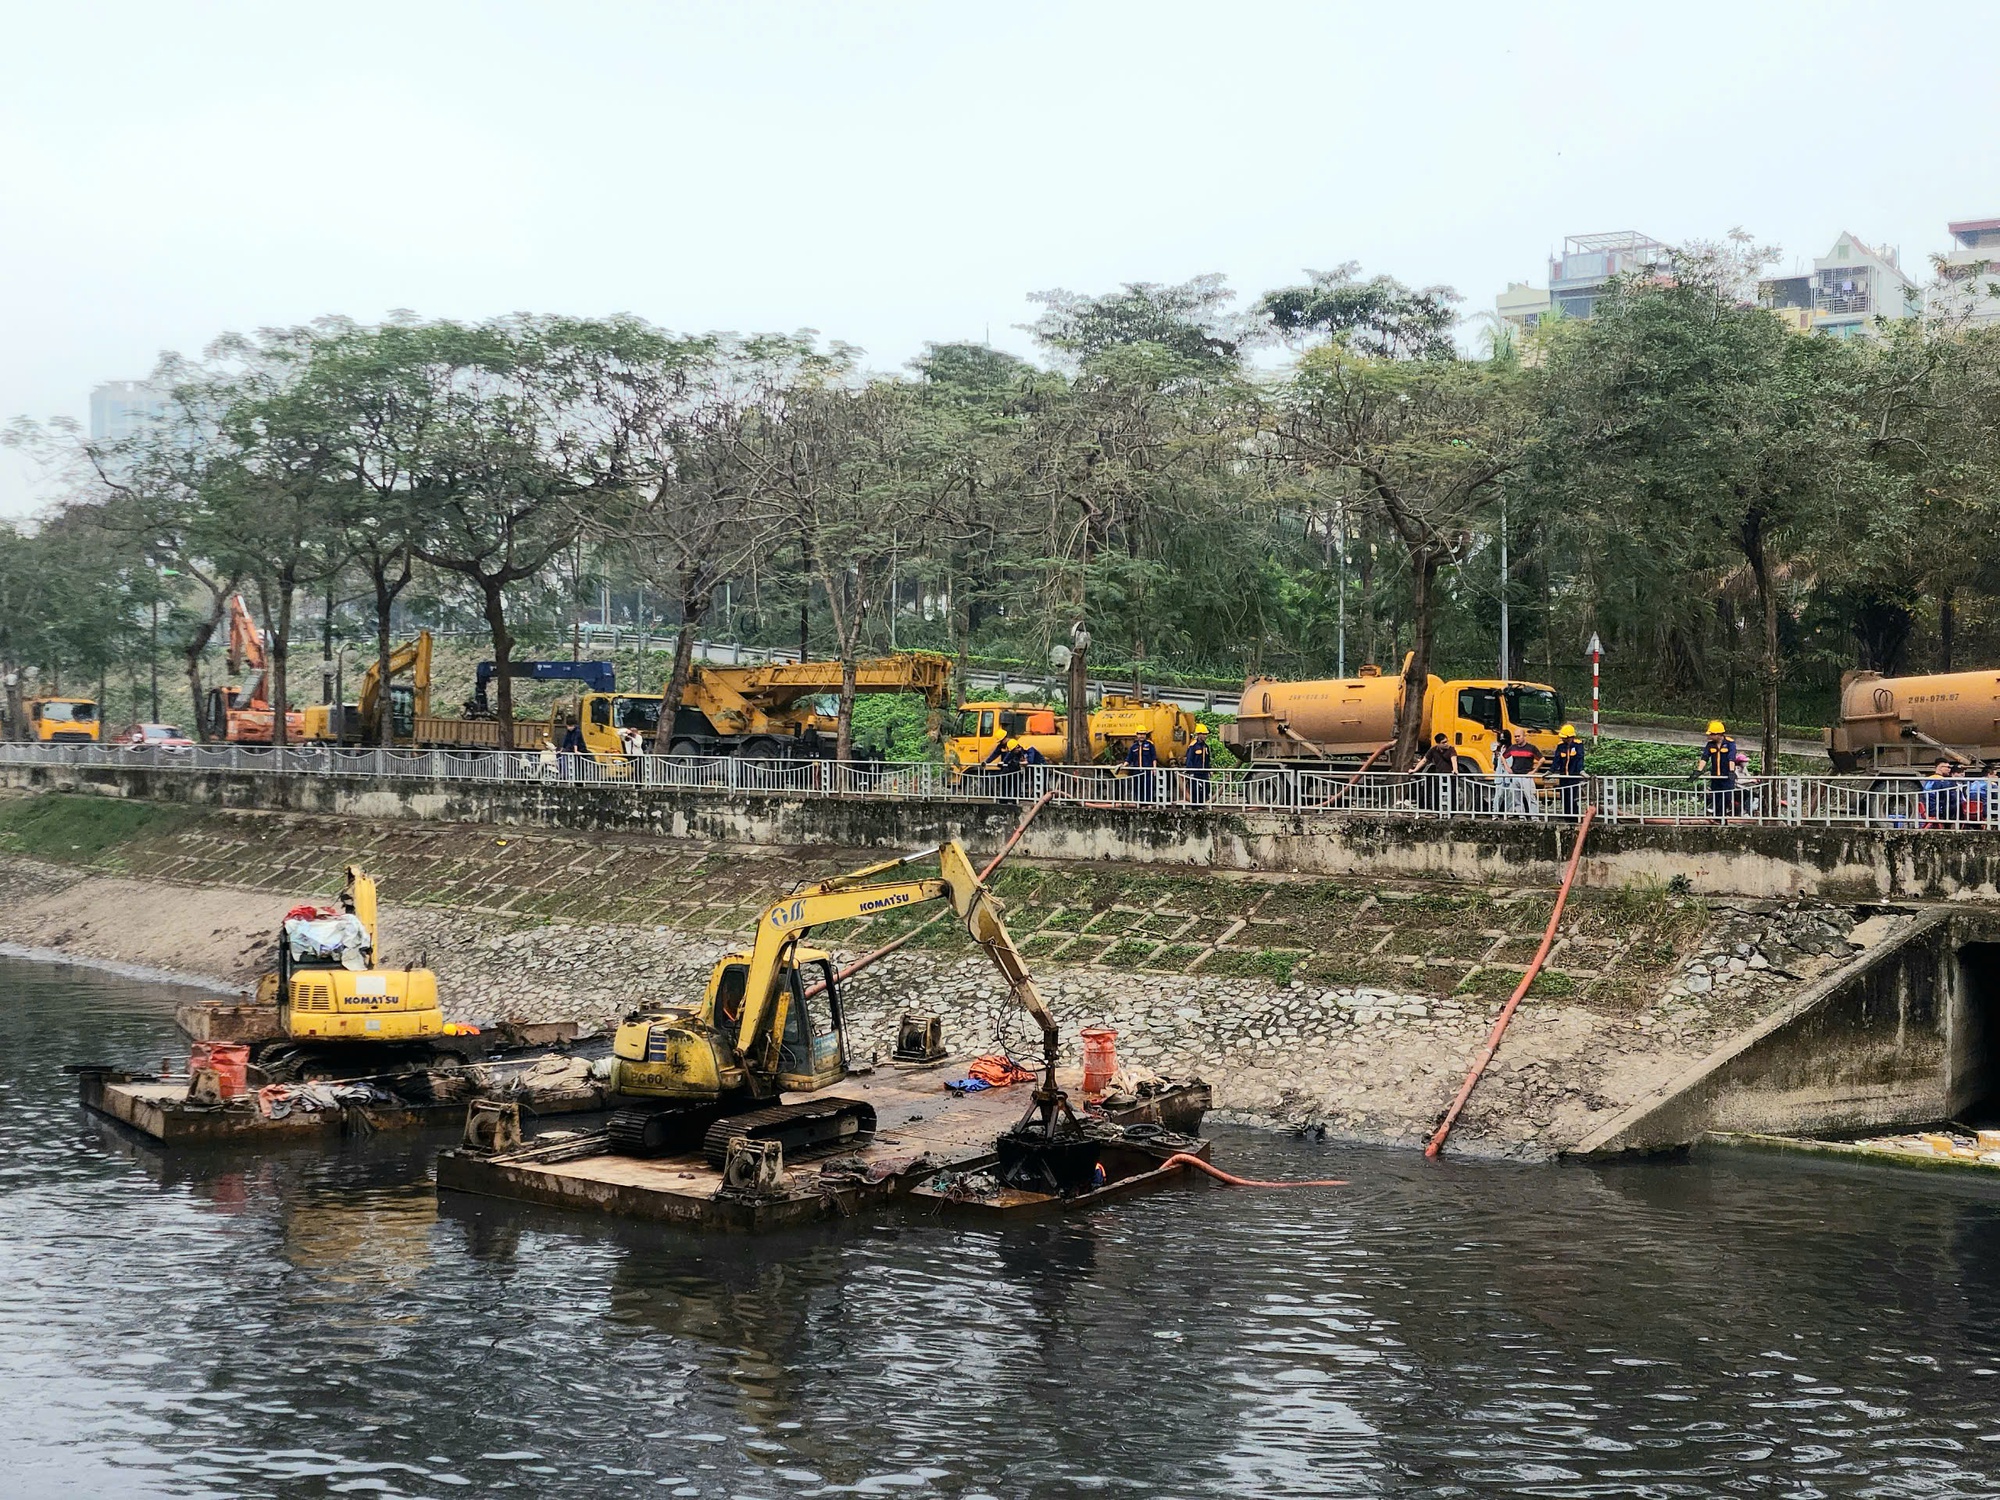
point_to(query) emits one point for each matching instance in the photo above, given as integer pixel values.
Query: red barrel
(1100, 1058)
(228, 1061)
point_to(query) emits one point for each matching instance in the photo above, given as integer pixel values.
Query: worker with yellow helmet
(1199, 759)
(1718, 764)
(1566, 760)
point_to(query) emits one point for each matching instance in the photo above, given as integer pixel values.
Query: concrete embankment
(1356, 1002)
(1765, 863)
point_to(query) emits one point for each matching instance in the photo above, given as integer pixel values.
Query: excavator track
(813, 1128)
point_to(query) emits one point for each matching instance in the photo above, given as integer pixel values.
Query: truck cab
(1473, 712)
(985, 726)
(71, 721)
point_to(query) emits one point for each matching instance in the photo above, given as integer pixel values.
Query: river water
(312, 1323)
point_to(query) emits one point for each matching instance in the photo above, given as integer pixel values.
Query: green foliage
(1737, 511)
(63, 827)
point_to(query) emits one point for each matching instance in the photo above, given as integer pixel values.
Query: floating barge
(159, 1107)
(932, 1145)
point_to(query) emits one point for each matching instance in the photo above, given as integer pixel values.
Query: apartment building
(1968, 284)
(1846, 292)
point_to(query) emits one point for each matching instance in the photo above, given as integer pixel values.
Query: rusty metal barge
(934, 1146)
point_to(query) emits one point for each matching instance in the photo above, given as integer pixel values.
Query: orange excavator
(244, 714)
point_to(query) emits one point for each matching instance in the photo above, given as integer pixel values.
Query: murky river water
(313, 1324)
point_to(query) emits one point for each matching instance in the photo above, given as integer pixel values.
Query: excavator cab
(330, 984)
(688, 1055)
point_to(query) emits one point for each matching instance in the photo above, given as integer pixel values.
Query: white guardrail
(1887, 802)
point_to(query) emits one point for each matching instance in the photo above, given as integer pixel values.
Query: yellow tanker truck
(1891, 723)
(1345, 721)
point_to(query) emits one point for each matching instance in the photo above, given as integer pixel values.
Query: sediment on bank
(1354, 1003)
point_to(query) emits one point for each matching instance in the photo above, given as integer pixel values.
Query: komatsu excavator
(770, 1022)
(339, 1005)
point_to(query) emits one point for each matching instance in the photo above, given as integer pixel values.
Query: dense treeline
(1214, 489)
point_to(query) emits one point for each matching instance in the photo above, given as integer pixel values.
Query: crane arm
(246, 653)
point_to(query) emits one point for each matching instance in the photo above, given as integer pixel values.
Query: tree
(851, 468)
(1424, 443)
(1193, 319)
(1379, 317)
(700, 506)
(275, 490)
(535, 427)
(1696, 420)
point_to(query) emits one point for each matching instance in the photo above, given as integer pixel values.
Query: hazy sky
(890, 174)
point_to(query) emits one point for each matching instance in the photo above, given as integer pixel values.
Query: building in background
(1521, 309)
(1968, 284)
(120, 408)
(1847, 290)
(1578, 276)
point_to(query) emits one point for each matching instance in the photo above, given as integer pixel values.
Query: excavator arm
(767, 999)
(413, 657)
(246, 654)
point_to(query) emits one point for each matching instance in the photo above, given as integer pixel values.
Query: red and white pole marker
(1596, 662)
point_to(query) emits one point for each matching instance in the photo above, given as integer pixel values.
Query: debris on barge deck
(931, 1141)
(166, 1107)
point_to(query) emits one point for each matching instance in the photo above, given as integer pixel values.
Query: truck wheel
(762, 748)
(685, 749)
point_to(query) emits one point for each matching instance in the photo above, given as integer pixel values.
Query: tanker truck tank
(1908, 722)
(1331, 718)
(1347, 720)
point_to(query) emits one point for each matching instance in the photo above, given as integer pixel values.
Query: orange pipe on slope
(1181, 1158)
(1520, 990)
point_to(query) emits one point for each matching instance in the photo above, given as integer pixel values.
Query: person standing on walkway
(1011, 775)
(1141, 761)
(1718, 766)
(1199, 759)
(1944, 794)
(572, 746)
(1567, 763)
(1439, 761)
(1514, 765)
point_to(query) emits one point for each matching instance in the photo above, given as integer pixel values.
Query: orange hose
(1180, 1158)
(1507, 1011)
(1019, 829)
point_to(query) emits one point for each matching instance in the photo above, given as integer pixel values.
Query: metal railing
(1883, 802)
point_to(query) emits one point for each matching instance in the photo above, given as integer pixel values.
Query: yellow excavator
(355, 723)
(338, 1003)
(770, 1022)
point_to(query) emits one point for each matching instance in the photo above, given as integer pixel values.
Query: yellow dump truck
(1344, 721)
(64, 721)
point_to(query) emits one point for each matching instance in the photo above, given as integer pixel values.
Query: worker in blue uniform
(1141, 762)
(1566, 760)
(1199, 759)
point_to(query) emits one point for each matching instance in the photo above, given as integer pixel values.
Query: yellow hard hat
(1568, 731)
(1715, 727)
(1201, 729)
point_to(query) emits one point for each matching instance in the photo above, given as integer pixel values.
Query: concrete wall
(1735, 861)
(1908, 1035)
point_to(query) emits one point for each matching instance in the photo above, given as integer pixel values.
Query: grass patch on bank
(1241, 963)
(60, 826)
